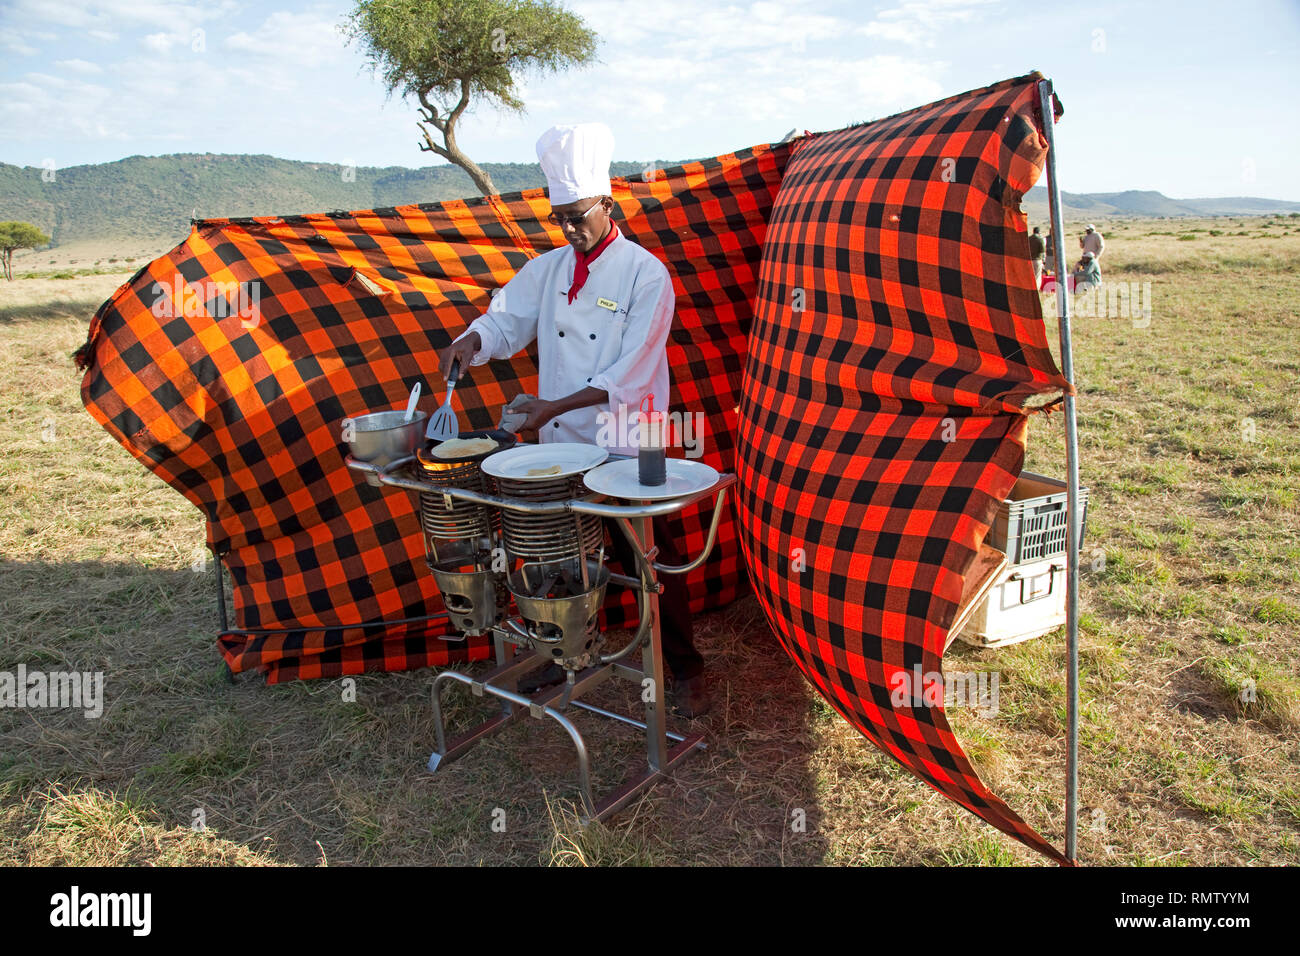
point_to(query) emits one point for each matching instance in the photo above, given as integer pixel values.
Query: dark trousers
(677, 633)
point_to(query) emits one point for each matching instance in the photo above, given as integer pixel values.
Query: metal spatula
(443, 424)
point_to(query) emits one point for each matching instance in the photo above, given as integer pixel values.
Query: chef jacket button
(589, 378)
(556, 424)
(561, 333)
(593, 335)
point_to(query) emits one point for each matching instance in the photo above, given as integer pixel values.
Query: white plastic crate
(1027, 601)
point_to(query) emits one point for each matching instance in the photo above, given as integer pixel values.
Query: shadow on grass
(335, 769)
(73, 308)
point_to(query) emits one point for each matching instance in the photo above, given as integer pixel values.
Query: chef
(600, 309)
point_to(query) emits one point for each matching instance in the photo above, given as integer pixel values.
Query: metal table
(515, 657)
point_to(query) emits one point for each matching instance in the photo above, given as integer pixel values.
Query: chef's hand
(463, 349)
(539, 412)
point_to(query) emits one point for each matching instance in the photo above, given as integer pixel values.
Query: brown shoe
(690, 697)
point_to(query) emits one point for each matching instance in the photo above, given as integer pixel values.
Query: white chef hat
(575, 160)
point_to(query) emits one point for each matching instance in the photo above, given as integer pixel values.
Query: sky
(1189, 98)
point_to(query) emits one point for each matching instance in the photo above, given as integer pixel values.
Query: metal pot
(381, 438)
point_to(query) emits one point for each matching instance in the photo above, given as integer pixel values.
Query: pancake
(463, 447)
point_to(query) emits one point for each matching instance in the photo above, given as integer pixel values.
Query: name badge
(607, 304)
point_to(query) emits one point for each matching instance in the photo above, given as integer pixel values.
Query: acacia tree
(14, 236)
(449, 54)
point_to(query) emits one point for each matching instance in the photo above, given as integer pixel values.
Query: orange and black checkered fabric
(244, 417)
(897, 336)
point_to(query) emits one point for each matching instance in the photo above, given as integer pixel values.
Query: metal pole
(1072, 483)
(221, 607)
(221, 592)
(652, 658)
(631, 722)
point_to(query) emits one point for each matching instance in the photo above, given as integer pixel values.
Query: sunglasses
(555, 220)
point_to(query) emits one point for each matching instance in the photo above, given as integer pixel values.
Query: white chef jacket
(613, 336)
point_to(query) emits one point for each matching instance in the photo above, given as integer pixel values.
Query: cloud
(310, 38)
(183, 42)
(159, 42)
(875, 86)
(173, 24)
(12, 41)
(716, 70)
(897, 30)
(721, 104)
(280, 85)
(687, 81)
(105, 15)
(41, 103)
(917, 22)
(697, 30)
(79, 66)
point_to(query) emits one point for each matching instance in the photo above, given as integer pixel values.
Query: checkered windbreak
(228, 366)
(896, 339)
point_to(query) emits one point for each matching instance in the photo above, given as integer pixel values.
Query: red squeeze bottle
(652, 466)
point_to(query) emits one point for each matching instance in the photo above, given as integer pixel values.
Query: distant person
(1087, 274)
(1051, 253)
(1091, 241)
(1038, 254)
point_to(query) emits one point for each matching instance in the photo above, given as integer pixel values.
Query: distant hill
(1146, 204)
(149, 200)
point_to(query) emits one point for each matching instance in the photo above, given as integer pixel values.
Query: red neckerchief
(583, 260)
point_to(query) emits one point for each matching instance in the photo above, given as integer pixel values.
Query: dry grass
(90, 254)
(44, 299)
(1189, 591)
(92, 828)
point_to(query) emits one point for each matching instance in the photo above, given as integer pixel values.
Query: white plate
(572, 457)
(620, 480)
